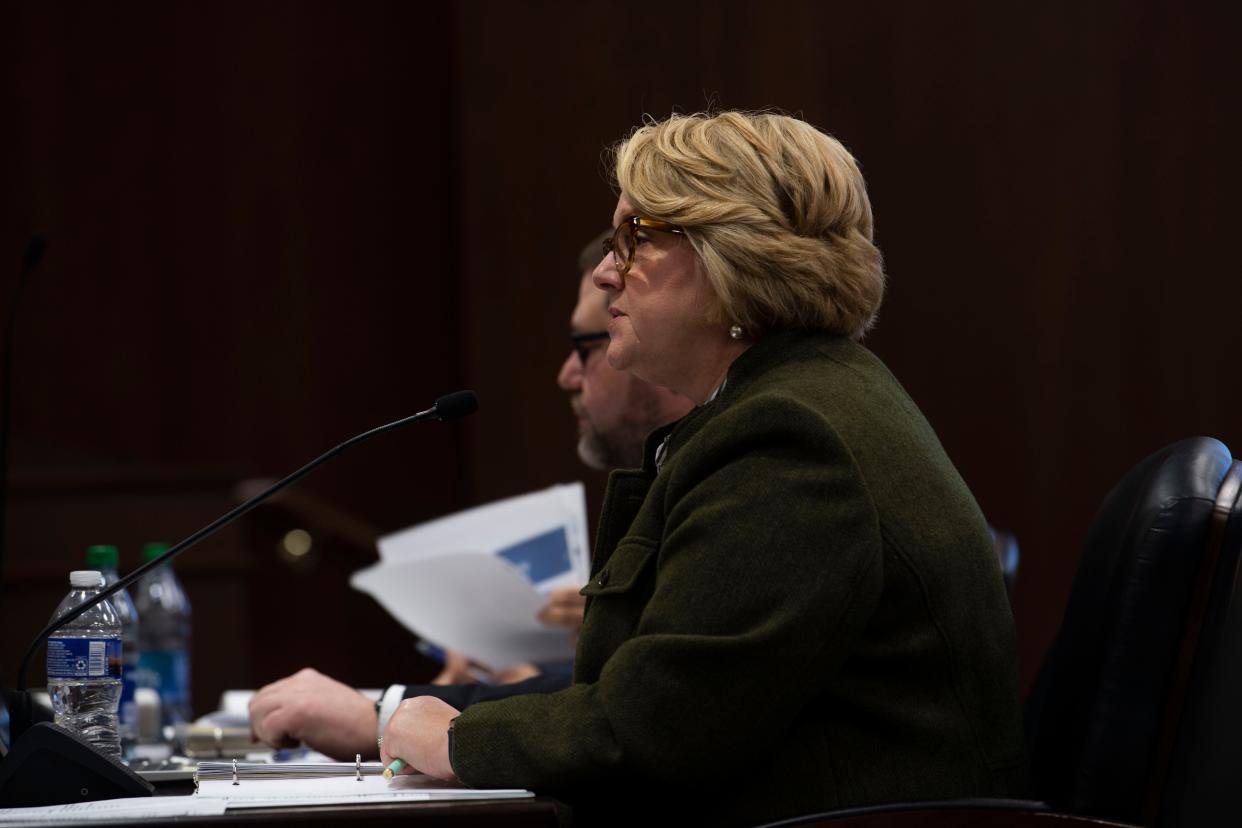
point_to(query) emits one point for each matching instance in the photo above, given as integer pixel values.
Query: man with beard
(615, 412)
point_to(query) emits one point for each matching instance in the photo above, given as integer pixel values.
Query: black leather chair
(1136, 717)
(1205, 767)
(1114, 685)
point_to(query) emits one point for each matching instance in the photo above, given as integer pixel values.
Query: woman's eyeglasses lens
(623, 240)
(621, 246)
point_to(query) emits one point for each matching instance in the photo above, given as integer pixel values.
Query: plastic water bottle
(104, 558)
(84, 666)
(164, 638)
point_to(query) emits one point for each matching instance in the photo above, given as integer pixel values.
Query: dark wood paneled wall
(275, 224)
(251, 258)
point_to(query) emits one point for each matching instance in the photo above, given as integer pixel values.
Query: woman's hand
(418, 734)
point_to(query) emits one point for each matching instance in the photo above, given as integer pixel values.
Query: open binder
(237, 771)
(259, 784)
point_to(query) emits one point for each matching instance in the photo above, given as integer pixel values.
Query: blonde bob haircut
(776, 210)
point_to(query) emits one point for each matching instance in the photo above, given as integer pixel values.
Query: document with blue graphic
(474, 581)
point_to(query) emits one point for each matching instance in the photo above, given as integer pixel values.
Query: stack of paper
(474, 581)
(127, 810)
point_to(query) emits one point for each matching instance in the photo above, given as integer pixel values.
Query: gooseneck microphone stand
(48, 765)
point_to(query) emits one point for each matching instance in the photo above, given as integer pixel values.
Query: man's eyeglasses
(625, 239)
(584, 343)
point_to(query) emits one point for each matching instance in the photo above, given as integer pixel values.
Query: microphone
(21, 783)
(456, 405)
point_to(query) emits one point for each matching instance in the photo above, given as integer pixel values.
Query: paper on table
(472, 602)
(143, 807)
(264, 793)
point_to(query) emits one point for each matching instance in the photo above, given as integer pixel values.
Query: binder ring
(358, 766)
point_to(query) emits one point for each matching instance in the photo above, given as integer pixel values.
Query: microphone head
(457, 404)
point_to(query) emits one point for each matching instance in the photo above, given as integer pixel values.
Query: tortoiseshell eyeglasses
(625, 239)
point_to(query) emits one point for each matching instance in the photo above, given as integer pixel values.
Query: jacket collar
(768, 352)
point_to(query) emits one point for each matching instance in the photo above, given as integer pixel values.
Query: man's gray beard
(623, 451)
(595, 453)
(622, 448)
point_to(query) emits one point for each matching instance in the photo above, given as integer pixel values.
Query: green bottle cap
(153, 550)
(102, 556)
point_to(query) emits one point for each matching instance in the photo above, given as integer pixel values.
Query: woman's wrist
(386, 706)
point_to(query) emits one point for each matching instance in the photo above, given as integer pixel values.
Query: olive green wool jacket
(799, 610)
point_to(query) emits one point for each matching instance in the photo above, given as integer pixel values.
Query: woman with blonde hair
(794, 604)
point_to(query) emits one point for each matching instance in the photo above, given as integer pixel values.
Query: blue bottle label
(168, 672)
(128, 709)
(69, 658)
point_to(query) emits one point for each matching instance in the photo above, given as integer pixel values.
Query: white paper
(472, 602)
(143, 807)
(474, 581)
(265, 793)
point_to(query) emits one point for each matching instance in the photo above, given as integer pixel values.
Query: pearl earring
(735, 332)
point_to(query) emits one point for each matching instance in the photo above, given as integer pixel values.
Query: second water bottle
(164, 638)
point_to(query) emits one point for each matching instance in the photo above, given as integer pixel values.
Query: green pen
(394, 768)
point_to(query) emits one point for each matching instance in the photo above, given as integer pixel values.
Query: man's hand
(460, 670)
(308, 707)
(418, 733)
(515, 673)
(565, 608)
